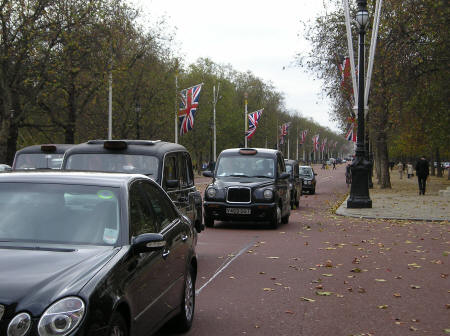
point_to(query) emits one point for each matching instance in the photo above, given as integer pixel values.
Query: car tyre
(275, 222)
(285, 219)
(209, 222)
(117, 326)
(183, 321)
(313, 191)
(297, 200)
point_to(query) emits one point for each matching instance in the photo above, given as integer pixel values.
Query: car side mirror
(208, 173)
(148, 242)
(284, 175)
(172, 184)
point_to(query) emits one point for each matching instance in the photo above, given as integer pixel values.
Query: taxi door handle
(184, 238)
(166, 254)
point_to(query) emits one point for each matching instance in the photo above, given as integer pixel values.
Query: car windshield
(306, 172)
(246, 165)
(59, 213)
(38, 161)
(121, 163)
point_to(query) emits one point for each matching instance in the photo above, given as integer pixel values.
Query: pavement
(403, 201)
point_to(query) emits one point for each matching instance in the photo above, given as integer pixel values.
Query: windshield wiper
(262, 176)
(238, 175)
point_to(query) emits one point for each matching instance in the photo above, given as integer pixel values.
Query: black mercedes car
(309, 179)
(48, 156)
(295, 182)
(249, 184)
(92, 254)
(167, 163)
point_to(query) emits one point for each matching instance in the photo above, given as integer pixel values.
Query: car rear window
(59, 213)
(38, 161)
(121, 163)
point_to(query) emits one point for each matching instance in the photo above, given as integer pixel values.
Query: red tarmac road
(322, 274)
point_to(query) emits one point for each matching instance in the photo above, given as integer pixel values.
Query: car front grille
(238, 195)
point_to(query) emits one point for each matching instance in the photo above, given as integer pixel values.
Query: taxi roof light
(48, 148)
(248, 151)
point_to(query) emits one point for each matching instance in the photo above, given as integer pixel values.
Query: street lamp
(359, 191)
(138, 117)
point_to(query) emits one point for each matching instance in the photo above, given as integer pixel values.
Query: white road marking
(223, 267)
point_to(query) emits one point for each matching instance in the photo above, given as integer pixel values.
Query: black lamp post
(359, 191)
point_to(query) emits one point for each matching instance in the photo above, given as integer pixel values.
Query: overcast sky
(261, 36)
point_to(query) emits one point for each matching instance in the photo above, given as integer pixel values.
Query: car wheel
(313, 191)
(183, 321)
(285, 219)
(209, 222)
(276, 218)
(117, 326)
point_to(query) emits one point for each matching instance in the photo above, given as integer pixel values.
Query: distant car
(295, 182)
(249, 184)
(309, 179)
(4, 167)
(49, 156)
(92, 254)
(167, 163)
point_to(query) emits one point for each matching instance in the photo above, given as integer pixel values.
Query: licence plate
(238, 211)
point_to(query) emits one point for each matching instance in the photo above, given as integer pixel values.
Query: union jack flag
(303, 138)
(188, 107)
(324, 142)
(351, 134)
(315, 140)
(253, 123)
(284, 131)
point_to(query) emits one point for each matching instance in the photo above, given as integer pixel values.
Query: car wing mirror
(148, 242)
(172, 183)
(208, 173)
(284, 175)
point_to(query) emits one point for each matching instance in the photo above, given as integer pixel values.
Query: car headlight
(211, 192)
(268, 194)
(19, 325)
(62, 317)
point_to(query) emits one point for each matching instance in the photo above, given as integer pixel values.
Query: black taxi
(46, 156)
(249, 184)
(167, 163)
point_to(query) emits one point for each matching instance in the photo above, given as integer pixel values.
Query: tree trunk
(385, 178)
(433, 170)
(438, 160)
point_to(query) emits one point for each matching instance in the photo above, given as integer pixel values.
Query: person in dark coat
(422, 172)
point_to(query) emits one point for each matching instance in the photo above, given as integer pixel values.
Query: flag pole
(245, 119)
(350, 51)
(297, 143)
(176, 109)
(216, 96)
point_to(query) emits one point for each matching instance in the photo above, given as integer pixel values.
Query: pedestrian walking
(334, 165)
(409, 169)
(422, 172)
(400, 169)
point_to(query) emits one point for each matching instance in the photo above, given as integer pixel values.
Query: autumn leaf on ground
(307, 300)
(380, 280)
(320, 293)
(289, 312)
(273, 257)
(268, 289)
(397, 295)
(383, 307)
(356, 270)
(327, 275)
(414, 286)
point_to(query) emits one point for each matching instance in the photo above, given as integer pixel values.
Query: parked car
(295, 182)
(48, 156)
(4, 167)
(309, 179)
(92, 254)
(167, 163)
(248, 185)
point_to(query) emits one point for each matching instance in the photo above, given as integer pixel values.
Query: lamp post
(359, 191)
(138, 117)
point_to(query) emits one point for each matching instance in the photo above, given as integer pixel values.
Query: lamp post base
(359, 191)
